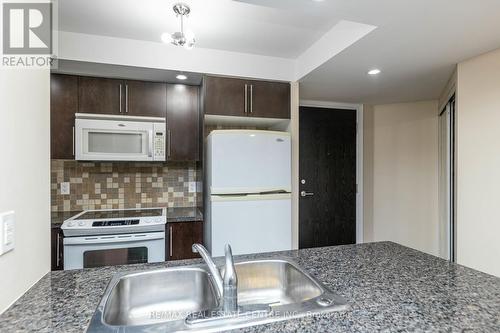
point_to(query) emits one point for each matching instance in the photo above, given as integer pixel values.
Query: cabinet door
(101, 95)
(63, 106)
(182, 236)
(224, 96)
(56, 249)
(147, 99)
(183, 120)
(269, 99)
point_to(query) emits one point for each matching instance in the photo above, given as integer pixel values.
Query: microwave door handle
(120, 103)
(150, 153)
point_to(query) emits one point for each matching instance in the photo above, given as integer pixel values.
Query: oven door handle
(109, 239)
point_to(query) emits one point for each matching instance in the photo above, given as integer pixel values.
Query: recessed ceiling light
(374, 71)
(181, 77)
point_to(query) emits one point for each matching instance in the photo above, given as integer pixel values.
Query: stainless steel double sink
(168, 300)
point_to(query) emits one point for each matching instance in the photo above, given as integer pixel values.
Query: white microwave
(119, 138)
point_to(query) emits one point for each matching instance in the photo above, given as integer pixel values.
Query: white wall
(129, 52)
(478, 163)
(25, 178)
(401, 174)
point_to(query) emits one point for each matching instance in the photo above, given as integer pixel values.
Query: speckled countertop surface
(176, 214)
(390, 288)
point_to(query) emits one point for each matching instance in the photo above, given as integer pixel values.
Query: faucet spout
(230, 284)
(198, 248)
(228, 287)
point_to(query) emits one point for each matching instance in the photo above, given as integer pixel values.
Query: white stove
(97, 238)
(115, 221)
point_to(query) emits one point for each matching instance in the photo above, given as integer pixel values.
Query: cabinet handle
(120, 98)
(170, 245)
(169, 143)
(246, 98)
(251, 98)
(73, 141)
(126, 98)
(57, 250)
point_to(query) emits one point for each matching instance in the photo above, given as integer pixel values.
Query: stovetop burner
(115, 221)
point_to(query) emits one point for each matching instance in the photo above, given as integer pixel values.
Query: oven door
(113, 140)
(108, 250)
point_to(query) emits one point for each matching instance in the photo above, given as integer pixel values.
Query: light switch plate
(7, 232)
(65, 188)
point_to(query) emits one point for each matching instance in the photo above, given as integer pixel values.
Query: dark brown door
(63, 106)
(269, 99)
(183, 119)
(327, 206)
(56, 249)
(101, 95)
(147, 99)
(181, 237)
(224, 96)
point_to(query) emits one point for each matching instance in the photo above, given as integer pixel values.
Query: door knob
(306, 194)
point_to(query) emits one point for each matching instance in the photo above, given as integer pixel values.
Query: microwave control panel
(159, 145)
(159, 141)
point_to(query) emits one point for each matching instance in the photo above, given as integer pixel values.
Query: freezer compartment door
(246, 161)
(251, 224)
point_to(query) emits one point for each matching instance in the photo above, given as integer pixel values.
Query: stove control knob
(71, 224)
(81, 223)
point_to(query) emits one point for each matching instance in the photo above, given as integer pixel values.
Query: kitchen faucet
(227, 287)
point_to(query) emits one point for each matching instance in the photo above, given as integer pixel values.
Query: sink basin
(159, 296)
(273, 282)
(179, 299)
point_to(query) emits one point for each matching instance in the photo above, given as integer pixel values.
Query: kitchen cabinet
(63, 106)
(225, 96)
(246, 98)
(72, 94)
(183, 119)
(269, 99)
(148, 99)
(56, 249)
(181, 237)
(101, 95)
(122, 97)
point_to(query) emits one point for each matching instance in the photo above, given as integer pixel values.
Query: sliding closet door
(447, 181)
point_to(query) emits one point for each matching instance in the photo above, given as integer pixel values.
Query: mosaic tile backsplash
(111, 185)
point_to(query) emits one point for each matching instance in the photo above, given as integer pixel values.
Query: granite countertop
(176, 214)
(389, 287)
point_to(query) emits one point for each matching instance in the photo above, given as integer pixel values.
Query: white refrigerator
(247, 195)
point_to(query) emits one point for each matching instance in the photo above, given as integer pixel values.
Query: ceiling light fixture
(183, 38)
(374, 71)
(181, 77)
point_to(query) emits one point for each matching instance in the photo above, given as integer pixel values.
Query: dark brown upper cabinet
(145, 98)
(183, 119)
(225, 96)
(122, 97)
(246, 98)
(63, 106)
(269, 99)
(101, 95)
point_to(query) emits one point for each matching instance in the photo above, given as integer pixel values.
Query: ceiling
(416, 44)
(218, 24)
